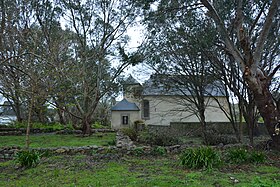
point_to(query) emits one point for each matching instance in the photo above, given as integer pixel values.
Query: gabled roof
(156, 86)
(124, 105)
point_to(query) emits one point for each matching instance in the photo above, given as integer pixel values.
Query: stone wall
(194, 129)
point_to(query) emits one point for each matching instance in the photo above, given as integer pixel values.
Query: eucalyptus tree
(99, 38)
(244, 31)
(16, 19)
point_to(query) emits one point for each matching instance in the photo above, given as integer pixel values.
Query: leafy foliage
(132, 133)
(202, 157)
(237, 155)
(158, 151)
(27, 158)
(157, 139)
(241, 156)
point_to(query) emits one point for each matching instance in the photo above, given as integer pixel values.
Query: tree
(244, 31)
(247, 50)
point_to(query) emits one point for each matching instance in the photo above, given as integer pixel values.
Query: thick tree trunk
(267, 109)
(86, 127)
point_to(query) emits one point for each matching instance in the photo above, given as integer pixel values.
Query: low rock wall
(194, 129)
(124, 146)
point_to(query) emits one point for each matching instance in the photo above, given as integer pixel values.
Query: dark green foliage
(157, 139)
(27, 158)
(237, 155)
(138, 151)
(47, 127)
(200, 158)
(214, 138)
(257, 157)
(242, 156)
(112, 142)
(132, 133)
(158, 151)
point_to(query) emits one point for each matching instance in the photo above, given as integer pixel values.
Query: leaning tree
(246, 31)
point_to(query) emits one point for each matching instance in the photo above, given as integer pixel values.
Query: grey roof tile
(124, 105)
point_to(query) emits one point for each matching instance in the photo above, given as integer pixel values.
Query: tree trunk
(86, 126)
(204, 126)
(267, 108)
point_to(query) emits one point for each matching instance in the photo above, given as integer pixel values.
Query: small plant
(131, 133)
(158, 151)
(202, 157)
(257, 157)
(111, 142)
(237, 155)
(27, 158)
(138, 151)
(97, 125)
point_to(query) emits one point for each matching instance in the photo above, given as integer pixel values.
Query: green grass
(81, 170)
(52, 140)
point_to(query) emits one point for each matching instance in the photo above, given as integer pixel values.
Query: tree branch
(264, 33)
(229, 44)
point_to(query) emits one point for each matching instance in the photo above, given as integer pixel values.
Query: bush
(157, 139)
(138, 151)
(237, 155)
(131, 133)
(97, 125)
(257, 157)
(27, 158)
(158, 151)
(215, 139)
(202, 157)
(241, 156)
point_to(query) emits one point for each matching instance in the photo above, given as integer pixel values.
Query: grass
(81, 170)
(52, 140)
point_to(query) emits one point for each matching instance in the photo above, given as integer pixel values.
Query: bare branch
(264, 33)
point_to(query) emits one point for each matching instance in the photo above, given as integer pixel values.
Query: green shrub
(157, 139)
(97, 125)
(131, 133)
(237, 155)
(202, 157)
(138, 151)
(48, 127)
(111, 142)
(215, 139)
(158, 151)
(242, 155)
(27, 158)
(257, 157)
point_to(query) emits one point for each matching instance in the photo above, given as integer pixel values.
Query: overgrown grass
(81, 170)
(52, 140)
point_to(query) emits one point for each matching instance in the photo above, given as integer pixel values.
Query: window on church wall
(125, 119)
(146, 109)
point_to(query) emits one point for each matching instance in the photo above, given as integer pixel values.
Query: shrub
(257, 157)
(237, 155)
(111, 142)
(158, 151)
(202, 157)
(131, 133)
(215, 139)
(97, 125)
(242, 155)
(138, 151)
(157, 139)
(27, 158)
